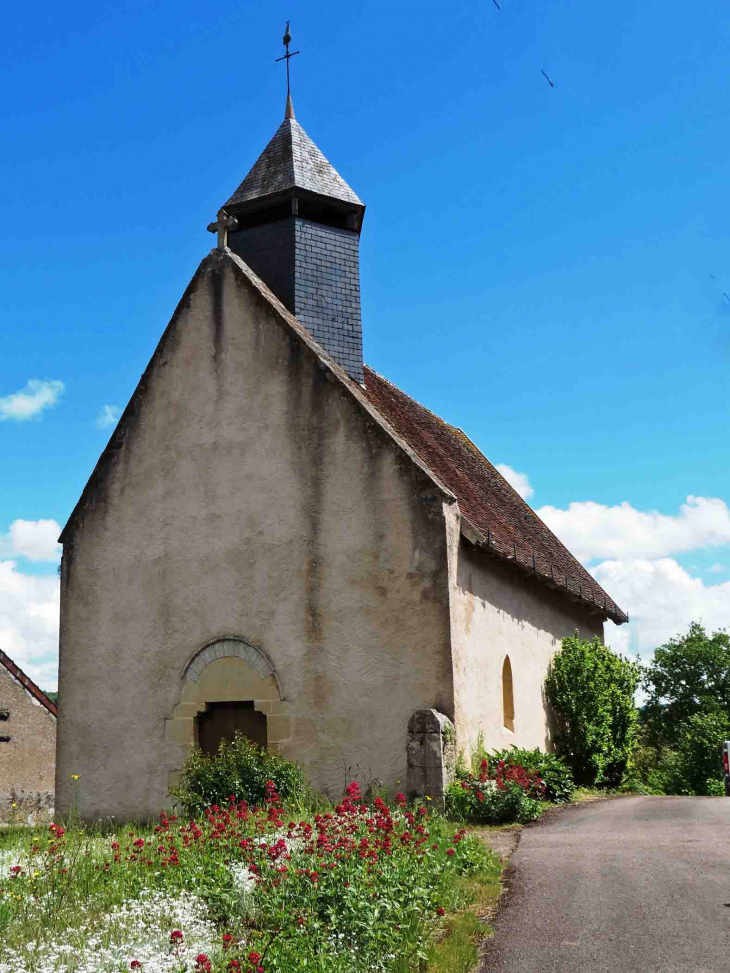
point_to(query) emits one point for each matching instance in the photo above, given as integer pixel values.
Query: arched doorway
(228, 684)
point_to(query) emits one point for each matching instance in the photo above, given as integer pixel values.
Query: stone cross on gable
(223, 224)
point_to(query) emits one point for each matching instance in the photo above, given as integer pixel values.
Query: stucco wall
(27, 760)
(496, 612)
(252, 497)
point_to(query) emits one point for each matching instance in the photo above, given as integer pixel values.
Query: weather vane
(286, 57)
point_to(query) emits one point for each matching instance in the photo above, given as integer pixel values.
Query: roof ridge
(25, 680)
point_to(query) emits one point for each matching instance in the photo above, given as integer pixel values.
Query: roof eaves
(531, 563)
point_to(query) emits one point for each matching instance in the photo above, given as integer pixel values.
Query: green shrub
(496, 792)
(555, 774)
(240, 769)
(591, 691)
(494, 806)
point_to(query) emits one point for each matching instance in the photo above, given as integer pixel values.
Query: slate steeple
(299, 230)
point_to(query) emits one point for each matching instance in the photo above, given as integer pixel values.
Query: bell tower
(298, 229)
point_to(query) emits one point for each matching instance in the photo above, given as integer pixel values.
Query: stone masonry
(431, 753)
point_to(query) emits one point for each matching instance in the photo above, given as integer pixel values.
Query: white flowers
(139, 929)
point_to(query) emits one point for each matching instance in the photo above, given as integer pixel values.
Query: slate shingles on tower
(299, 230)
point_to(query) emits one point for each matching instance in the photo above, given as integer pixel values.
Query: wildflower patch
(359, 888)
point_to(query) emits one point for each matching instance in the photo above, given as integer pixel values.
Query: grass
(456, 943)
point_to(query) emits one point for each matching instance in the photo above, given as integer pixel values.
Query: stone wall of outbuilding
(28, 757)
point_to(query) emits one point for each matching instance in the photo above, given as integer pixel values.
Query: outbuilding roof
(17, 673)
(506, 526)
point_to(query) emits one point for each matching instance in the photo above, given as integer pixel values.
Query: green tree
(591, 691)
(699, 754)
(690, 674)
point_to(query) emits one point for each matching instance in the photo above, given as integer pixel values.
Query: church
(279, 540)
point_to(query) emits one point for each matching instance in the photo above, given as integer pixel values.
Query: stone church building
(278, 539)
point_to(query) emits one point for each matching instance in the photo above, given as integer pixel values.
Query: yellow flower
(75, 776)
(428, 798)
(15, 805)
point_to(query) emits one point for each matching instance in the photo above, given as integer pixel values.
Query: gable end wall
(252, 497)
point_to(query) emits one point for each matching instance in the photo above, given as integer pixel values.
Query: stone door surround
(228, 669)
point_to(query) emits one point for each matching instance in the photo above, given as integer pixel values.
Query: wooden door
(221, 720)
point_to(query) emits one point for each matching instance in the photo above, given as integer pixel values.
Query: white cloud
(518, 481)
(32, 400)
(717, 568)
(108, 416)
(36, 540)
(661, 599)
(592, 530)
(29, 607)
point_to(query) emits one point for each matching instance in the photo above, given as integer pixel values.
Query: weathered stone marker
(431, 753)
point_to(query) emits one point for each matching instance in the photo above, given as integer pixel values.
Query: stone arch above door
(226, 670)
(232, 647)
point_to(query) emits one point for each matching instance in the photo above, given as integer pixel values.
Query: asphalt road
(635, 884)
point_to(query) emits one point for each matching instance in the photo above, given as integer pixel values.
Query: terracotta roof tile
(511, 529)
(18, 673)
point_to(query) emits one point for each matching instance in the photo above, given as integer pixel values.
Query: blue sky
(544, 267)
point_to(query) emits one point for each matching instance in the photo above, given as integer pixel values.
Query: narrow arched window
(508, 697)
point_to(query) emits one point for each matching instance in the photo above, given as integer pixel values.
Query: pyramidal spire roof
(291, 160)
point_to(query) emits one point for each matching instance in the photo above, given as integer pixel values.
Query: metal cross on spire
(287, 57)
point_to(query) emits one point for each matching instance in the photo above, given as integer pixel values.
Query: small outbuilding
(27, 745)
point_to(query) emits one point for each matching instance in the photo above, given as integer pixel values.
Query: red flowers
(400, 799)
(135, 965)
(450, 852)
(176, 937)
(353, 791)
(441, 911)
(203, 964)
(254, 957)
(227, 940)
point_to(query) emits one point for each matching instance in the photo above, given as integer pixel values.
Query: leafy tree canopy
(688, 675)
